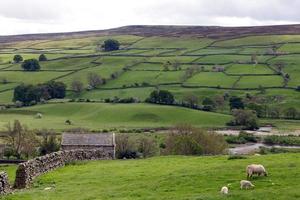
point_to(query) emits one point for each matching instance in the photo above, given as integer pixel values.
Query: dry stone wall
(27, 171)
(4, 184)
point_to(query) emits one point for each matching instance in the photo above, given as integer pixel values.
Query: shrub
(31, 65)
(147, 147)
(245, 118)
(236, 157)
(281, 140)
(125, 147)
(242, 138)
(187, 140)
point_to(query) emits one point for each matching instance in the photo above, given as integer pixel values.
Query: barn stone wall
(27, 171)
(4, 184)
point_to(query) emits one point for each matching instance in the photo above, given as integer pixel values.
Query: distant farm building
(104, 141)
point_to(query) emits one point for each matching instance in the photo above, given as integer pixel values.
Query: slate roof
(93, 139)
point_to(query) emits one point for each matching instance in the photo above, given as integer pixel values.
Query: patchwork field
(146, 63)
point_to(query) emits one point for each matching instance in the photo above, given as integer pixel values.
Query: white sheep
(246, 184)
(224, 190)
(255, 169)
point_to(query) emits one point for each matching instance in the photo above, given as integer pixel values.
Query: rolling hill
(222, 57)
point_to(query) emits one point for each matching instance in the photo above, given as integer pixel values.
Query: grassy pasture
(172, 42)
(290, 48)
(97, 115)
(151, 77)
(171, 177)
(219, 59)
(249, 69)
(83, 42)
(140, 93)
(209, 50)
(258, 40)
(213, 79)
(30, 77)
(256, 81)
(180, 59)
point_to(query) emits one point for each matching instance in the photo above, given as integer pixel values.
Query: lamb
(246, 184)
(255, 169)
(224, 190)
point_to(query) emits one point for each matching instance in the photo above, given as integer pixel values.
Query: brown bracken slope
(215, 32)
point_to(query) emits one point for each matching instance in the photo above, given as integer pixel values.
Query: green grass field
(173, 177)
(98, 115)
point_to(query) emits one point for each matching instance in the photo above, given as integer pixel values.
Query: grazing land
(176, 177)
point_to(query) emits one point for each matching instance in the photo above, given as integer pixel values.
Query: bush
(236, 157)
(147, 147)
(245, 118)
(125, 147)
(242, 138)
(31, 65)
(282, 140)
(187, 140)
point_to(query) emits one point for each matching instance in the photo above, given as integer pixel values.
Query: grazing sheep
(39, 116)
(255, 169)
(224, 190)
(246, 184)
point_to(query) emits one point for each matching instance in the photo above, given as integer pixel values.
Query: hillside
(173, 178)
(208, 62)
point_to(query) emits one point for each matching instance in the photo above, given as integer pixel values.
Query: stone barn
(105, 141)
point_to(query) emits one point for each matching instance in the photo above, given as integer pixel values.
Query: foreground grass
(175, 177)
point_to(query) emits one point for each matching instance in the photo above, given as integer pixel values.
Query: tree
(280, 65)
(18, 58)
(291, 113)
(261, 89)
(77, 86)
(254, 58)
(259, 109)
(94, 80)
(28, 93)
(161, 97)
(147, 146)
(246, 118)
(219, 100)
(20, 139)
(188, 140)
(208, 104)
(31, 65)
(56, 89)
(50, 143)
(43, 57)
(191, 99)
(111, 45)
(236, 103)
(8, 152)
